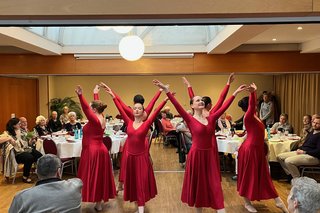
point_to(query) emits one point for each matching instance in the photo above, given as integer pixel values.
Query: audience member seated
(25, 132)
(23, 125)
(308, 154)
(54, 123)
(64, 118)
(73, 123)
(304, 196)
(182, 127)
(50, 194)
(166, 109)
(23, 152)
(307, 128)
(41, 127)
(223, 123)
(282, 125)
(166, 123)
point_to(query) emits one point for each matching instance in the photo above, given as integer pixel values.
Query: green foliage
(57, 104)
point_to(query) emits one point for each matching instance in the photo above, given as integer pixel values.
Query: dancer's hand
(186, 82)
(96, 89)
(252, 87)
(240, 89)
(78, 90)
(161, 85)
(107, 89)
(231, 78)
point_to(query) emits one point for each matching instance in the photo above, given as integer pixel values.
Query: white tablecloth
(73, 149)
(278, 147)
(228, 145)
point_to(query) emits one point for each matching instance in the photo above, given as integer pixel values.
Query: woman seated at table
(73, 124)
(223, 123)
(282, 125)
(41, 127)
(23, 152)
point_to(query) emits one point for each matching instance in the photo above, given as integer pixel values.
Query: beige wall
(127, 86)
(43, 95)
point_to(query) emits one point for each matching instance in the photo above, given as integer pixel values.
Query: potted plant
(57, 104)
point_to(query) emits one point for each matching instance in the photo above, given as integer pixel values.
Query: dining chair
(50, 147)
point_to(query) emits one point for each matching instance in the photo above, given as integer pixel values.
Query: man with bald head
(23, 124)
(54, 123)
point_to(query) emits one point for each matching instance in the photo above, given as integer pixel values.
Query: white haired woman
(304, 196)
(73, 124)
(41, 127)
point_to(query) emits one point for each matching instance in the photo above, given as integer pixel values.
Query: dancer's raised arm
(150, 106)
(85, 106)
(190, 90)
(227, 103)
(223, 94)
(116, 102)
(96, 92)
(252, 101)
(186, 116)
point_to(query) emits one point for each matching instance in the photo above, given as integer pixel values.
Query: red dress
(129, 113)
(254, 181)
(139, 180)
(95, 169)
(201, 185)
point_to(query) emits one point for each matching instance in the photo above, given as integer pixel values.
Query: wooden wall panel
(270, 62)
(18, 96)
(316, 5)
(38, 9)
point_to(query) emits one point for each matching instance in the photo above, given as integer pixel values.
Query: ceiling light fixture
(299, 28)
(123, 29)
(131, 47)
(274, 39)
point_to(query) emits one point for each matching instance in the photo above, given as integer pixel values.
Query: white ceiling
(162, 39)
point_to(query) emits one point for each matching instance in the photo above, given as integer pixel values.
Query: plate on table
(70, 140)
(293, 138)
(275, 140)
(222, 138)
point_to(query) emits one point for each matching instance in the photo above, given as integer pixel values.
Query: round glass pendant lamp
(131, 47)
(123, 29)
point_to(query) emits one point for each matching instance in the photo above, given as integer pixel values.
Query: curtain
(298, 95)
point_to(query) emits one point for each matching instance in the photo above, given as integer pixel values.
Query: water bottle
(76, 134)
(268, 131)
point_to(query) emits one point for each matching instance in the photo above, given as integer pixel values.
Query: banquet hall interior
(45, 52)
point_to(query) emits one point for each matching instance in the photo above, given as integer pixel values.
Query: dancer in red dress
(254, 180)
(129, 113)
(139, 183)
(201, 185)
(95, 169)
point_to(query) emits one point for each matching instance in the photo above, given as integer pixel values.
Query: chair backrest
(50, 147)
(107, 142)
(158, 125)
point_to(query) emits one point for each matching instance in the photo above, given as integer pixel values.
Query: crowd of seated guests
(307, 154)
(283, 125)
(24, 152)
